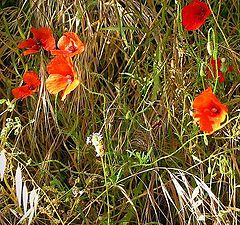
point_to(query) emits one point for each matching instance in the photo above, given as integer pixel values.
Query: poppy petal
(45, 36)
(200, 101)
(221, 77)
(31, 79)
(213, 63)
(218, 120)
(41, 32)
(30, 51)
(69, 45)
(194, 15)
(22, 92)
(70, 88)
(206, 98)
(27, 43)
(57, 82)
(209, 112)
(49, 44)
(61, 65)
(206, 125)
(64, 53)
(214, 72)
(230, 69)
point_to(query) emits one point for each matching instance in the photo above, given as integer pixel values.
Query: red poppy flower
(62, 76)
(230, 69)
(32, 83)
(214, 72)
(42, 38)
(209, 112)
(195, 14)
(69, 45)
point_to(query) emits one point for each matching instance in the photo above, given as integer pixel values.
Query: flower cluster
(96, 140)
(216, 69)
(62, 74)
(209, 112)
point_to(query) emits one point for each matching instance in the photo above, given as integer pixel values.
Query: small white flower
(76, 191)
(223, 60)
(98, 150)
(96, 140)
(89, 140)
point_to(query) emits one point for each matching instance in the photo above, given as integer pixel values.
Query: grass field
(139, 75)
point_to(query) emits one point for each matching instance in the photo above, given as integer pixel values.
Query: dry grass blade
(19, 185)
(25, 198)
(3, 163)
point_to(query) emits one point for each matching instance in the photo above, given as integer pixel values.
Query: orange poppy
(209, 112)
(215, 70)
(42, 38)
(62, 76)
(195, 14)
(32, 83)
(69, 45)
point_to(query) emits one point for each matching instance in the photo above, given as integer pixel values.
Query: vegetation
(139, 74)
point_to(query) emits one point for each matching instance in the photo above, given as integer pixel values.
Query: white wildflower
(223, 60)
(96, 140)
(89, 140)
(17, 126)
